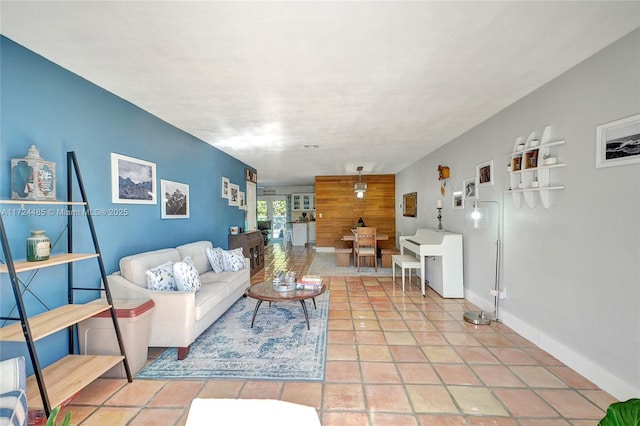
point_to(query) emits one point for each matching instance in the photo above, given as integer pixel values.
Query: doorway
(273, 209)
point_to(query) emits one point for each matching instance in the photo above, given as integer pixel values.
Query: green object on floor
(625, 413)
(51, 421)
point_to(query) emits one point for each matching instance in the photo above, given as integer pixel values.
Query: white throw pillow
(189, 261)
(215, 256)
(186, 276)
(161, 278)
(233, 260)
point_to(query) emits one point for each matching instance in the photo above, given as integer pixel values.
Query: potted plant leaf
(625, 413)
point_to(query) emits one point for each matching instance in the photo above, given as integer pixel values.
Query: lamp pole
(482, 317)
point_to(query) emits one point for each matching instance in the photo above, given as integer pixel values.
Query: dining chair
(365, 245)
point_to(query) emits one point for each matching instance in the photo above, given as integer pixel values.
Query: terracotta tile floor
(392, 359)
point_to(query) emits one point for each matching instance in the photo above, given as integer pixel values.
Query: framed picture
(484, 173)
(241, 203)
(250, 175)
(456, 200)
(410, 204)
(225, 188)
(175, 200)
(516, 163)
(618, 142)
(133, 181)
(531, 159)
(234, 195)
(469, 189)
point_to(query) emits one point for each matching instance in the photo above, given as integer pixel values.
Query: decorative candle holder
(440, 228)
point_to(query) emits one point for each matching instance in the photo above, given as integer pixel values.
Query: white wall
(572, 271)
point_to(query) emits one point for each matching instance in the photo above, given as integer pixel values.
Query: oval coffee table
(264, 292)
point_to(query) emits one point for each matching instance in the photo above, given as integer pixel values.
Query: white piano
(444, 273)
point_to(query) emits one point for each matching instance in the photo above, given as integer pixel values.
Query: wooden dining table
(352, 237)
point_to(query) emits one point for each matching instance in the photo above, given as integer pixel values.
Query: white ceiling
(378, 84)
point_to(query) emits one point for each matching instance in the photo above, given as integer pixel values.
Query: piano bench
(343, 253)
(404, 261)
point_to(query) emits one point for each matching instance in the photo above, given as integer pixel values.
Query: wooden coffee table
(264, 292)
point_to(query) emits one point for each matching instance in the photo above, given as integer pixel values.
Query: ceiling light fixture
(360, 188)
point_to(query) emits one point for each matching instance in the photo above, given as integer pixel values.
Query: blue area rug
(278, 347)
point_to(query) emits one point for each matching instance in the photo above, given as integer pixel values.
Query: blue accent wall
(58, 111)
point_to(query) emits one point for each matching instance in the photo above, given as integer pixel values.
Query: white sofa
(178, 318)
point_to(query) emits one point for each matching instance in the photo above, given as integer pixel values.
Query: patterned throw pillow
(189, 261)
(215, 256)
(233, 260)
(186, 276)
(161, 278)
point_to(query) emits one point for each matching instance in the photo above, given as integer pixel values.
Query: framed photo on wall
(234, 195)
(133, 181)
(484, 173)
(175, 200)
(469, 189)
(241, 201)
(225, 188)
(456, 200)
(410, 204)
(618, 142)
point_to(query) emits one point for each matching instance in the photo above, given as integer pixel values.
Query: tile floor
(392, 359)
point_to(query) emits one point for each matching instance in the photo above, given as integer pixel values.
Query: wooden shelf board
(67, 376)
(49, 322)
(54, 260)
(546, 188)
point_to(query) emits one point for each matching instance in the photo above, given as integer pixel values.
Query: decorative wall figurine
(443, 175)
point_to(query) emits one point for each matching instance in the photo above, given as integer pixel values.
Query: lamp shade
(477, 217)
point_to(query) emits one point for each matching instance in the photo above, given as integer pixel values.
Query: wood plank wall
(338, 209)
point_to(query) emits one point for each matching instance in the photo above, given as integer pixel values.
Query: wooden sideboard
(252, 244)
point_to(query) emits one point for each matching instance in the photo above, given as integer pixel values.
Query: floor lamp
(477, 218)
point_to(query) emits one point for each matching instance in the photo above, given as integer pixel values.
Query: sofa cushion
(218, 278)
(210, 296)
(233, 260)
(13, 374)
(161, 277)
(13, 408)
(186, 276)
(13, 397)
(134, 267)
(197, 252)
(216, 261)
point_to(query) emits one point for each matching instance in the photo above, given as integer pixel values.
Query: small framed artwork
(618, 142)
(225, 188)
(133, 181)
(456, 199)
(241, 203)
(250, 175)
(484, 173)
(175, 200)
(469, 189)
(517, 163)
(234, 195)
(410, 204)
(531, 159)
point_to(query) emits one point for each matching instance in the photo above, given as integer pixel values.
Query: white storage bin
(97, 336)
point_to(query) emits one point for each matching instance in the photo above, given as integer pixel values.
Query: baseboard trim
(593, 372)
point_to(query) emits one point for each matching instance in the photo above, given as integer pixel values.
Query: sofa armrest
(13, 373)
